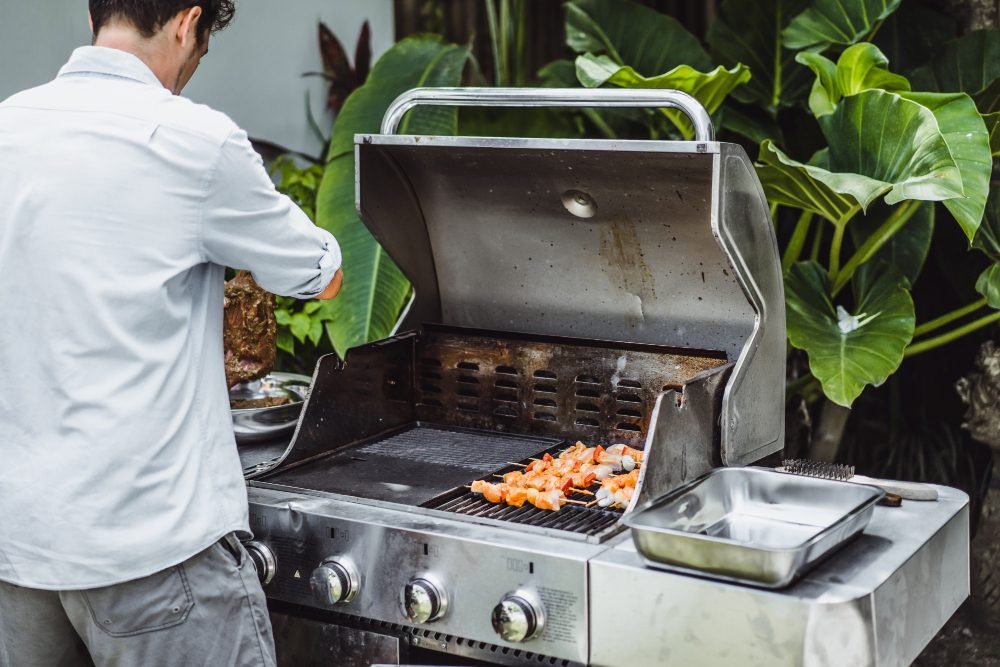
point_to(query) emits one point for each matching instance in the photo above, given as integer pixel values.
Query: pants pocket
(159, 601)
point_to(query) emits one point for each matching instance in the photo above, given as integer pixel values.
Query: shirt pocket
(159, 601)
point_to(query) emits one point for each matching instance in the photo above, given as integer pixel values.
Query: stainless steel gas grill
(564, 290)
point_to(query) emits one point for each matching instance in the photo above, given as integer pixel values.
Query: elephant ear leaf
(749, 32)
(709, 88)
(828, 22)
(848, 351)
(969, 64)
(860, 67)
(989, 285)
(908, 158)
(907, 153)
(375, 290)
(968, 140)
(632, 34)
(810, 187)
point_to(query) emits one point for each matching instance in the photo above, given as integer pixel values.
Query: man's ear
(187, 28)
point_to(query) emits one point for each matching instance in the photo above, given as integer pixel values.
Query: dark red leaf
(363, 55)
(334, 57)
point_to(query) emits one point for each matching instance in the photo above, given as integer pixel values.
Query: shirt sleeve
(247, 224)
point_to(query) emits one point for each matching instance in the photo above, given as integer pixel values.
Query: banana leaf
(849, 351)
(375, 290)
(828, 22)
(749, 32)
(709, 88)
(860, 67)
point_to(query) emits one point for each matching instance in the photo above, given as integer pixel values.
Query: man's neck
(125, 38)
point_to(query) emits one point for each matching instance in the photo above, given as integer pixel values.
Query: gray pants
(209, 610)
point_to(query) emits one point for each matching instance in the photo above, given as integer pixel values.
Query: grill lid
(667, 243)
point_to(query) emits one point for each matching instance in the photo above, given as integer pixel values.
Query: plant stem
(817, 243)
(505, 40)
(520, 35)
(939, 322)
(797, 242)
(954, 334)
(879, 238)
(774, 211)
(491, 20)
(871, 35)
(838, 241)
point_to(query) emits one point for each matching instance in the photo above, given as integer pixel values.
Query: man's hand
(334, 287)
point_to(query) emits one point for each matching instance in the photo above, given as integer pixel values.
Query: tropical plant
(375, 290)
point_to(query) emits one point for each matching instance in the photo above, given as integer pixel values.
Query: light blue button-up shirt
(120, 204)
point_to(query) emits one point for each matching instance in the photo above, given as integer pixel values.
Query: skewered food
(546, 482)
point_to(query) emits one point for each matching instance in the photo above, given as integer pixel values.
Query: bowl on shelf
(269, 407)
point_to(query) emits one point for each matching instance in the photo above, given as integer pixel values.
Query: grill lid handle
(550, 97)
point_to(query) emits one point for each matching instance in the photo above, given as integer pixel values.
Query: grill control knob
(519, 617)
(335, 581)
(423, 600)
(262, 559)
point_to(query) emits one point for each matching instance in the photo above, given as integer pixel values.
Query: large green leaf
(912, 34)
(969, 64)
(988, 235)
(749, 32)
(907, 250)
(632, 34)
(880, 144)
(836, 197)
(848, 351)
(709, 88)
(894, 140)
(968, 140)
(860, 67)
(989, 285)
(375, 290)
(828, 22)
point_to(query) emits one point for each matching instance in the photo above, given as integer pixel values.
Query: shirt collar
(103, 61)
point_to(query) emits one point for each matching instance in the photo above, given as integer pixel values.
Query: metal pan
(750, 525)
(262, 424)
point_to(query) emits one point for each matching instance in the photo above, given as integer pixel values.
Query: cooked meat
(269, 402)
(249, 331)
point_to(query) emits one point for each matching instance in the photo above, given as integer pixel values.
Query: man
(120, 485)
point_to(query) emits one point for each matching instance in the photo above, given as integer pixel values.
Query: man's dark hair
(151, 15)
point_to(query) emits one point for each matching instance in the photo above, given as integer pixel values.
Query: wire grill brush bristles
(838, 471)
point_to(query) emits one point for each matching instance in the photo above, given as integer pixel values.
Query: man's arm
(333, 289)
(247, 224)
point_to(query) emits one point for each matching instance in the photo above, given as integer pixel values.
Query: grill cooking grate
(572, 518)
(466, 449)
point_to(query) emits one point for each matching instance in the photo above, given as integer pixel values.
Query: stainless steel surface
(423, 600)
(680, 251)
(751, 525)
(550, 97)
(303, 642)
(475, 565)
(877, 603)
(335, 581)
(254, 425)
(518, 617)
(263, 560)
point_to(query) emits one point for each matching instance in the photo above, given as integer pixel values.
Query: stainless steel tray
(252, 425)
(751, 525)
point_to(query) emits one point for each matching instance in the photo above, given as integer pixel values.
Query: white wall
(253, 71)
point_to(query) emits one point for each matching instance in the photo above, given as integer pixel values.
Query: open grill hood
(656, 242)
